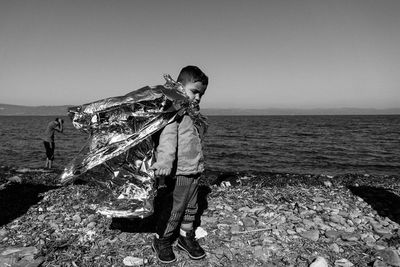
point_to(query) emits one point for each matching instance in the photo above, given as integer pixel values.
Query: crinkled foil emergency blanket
(120, 149)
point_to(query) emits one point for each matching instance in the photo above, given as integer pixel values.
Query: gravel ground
(270, 219)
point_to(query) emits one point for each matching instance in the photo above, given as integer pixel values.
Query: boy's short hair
(192, 74)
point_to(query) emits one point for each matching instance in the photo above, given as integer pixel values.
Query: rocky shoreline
(270, 219)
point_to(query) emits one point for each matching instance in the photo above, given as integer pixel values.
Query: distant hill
(317, 111)
(16, 110)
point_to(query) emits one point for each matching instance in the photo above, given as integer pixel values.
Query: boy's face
(195, 90)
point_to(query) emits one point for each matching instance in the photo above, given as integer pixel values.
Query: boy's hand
(162, 172)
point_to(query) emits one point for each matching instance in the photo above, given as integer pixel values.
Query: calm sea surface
(298, 144)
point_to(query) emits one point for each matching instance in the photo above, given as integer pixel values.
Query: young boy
(179, 157)
(48, 140)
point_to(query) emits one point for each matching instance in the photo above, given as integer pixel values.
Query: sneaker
(189, 244)
(163, 248)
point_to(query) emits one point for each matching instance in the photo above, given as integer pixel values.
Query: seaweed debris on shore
(270, 219)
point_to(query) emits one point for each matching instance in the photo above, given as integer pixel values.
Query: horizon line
(239, 108)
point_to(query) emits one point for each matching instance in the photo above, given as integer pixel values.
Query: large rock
(7, 261)
(29, 263)
(390, 256)
(19, 256)
(19, 252)
(380, 263)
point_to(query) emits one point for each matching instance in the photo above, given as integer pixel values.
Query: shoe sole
(155, 251)
(190, 255)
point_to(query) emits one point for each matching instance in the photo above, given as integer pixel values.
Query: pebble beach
(269, 219)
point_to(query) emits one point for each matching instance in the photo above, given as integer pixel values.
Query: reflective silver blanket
(120, 147)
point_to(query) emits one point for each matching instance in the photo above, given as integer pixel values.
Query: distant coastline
(19, 110)
(316, 111)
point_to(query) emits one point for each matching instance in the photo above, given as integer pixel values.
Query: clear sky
(257, 54)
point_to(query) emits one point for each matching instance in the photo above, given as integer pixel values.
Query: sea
(318, 144)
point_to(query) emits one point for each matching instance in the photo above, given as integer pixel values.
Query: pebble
(350, 236)
(228, 208)
(235, 229)
(381, 231)
(200, 232)
(291, 232)
(379, 247)
(248, 222)
(308, 223)
(123, 236)
(266, 239)
(15, 179)
(244, 209)
(354, 214)
(91, 218)
(369, 239)
(334, 247)
(311, 234)
(41, 217)
(332, 234)
(219, 252)
(3, 233)
(343, 263)
(228, 253)
(261, 253)
(337, 219)
(209, 220)
(134, 261)
(77, 218)
(319, 199)
(257, 209)
(91, 225)
(319, 262)
(300, 230)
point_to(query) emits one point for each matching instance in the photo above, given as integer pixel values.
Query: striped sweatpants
(184, 205)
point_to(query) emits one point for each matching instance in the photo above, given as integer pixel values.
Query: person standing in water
(48, 140)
